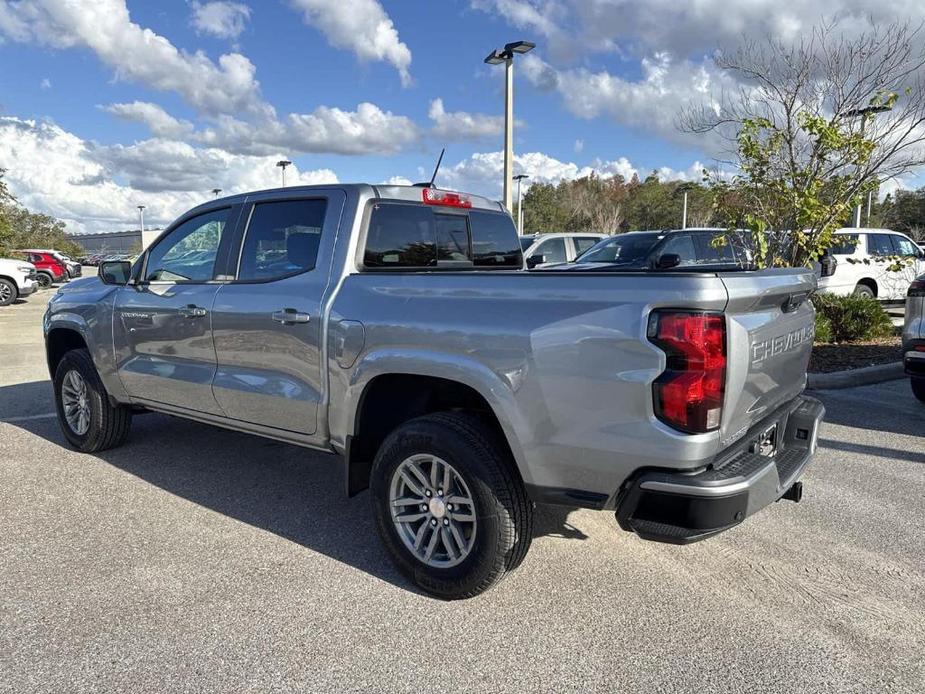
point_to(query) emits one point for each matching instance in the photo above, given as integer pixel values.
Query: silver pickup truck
(396, 327)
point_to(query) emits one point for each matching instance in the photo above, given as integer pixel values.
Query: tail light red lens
(689, 394)
(432, 196)
(917, 288)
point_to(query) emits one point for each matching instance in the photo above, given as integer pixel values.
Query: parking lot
(199, 559)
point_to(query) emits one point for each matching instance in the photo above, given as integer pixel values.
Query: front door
(162, 325)
(267, 323)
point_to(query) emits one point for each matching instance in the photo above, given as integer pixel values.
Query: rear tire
(864, 290)
(8, 292)
(918, 387)
(493, 543)
(45, 280)
(87, 419)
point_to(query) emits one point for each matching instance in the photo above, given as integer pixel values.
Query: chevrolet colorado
(395, 326)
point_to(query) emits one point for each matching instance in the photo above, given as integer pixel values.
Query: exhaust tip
(795, 493)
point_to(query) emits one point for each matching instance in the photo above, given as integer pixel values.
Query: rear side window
(409, 236)
(552, 250)
(583, 243)
(904, 246)
(879, 244)
(282, 239)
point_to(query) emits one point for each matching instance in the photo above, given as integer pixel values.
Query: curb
(856, 377)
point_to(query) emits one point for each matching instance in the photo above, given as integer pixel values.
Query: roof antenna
(433, 178)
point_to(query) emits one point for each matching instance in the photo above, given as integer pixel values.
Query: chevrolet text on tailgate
(395, 326)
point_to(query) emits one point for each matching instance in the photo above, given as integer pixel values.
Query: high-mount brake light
(432, 196)
(689, 394)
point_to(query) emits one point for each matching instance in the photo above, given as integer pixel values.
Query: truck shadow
(292, 492)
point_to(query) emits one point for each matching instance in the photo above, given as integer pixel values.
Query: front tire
(8, 292)
(87, 419)
(449, 505)
(918, 388)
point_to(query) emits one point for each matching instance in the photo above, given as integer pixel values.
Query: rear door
(162, 326)
(769, 335)
(267, 322)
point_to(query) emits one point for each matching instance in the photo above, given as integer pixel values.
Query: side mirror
(535, 260)
(667, 261)
(115, 271)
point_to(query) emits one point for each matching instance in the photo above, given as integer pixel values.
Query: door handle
(289, 316)
(191, 311)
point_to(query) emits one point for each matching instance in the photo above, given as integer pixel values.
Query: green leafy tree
(20, 228)
(814, 127)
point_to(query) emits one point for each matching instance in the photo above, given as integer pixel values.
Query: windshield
(622, 249)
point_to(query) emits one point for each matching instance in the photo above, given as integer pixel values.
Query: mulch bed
(855, 355)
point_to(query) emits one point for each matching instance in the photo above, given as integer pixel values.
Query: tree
(813, 127)
(20, 228)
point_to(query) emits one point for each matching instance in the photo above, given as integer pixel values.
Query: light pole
(520, 204)
(282, 164)
(684, 212)
(141, 217)
(864, 113)
(506, 56)
(216, 191)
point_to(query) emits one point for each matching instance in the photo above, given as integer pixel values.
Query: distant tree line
(20, 228)
(614, 205)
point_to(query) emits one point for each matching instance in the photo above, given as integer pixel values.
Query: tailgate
(770, 328)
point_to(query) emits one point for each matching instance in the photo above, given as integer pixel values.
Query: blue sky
(107, 104)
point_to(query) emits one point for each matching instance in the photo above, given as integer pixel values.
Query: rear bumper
(914, 358)
(680, 508)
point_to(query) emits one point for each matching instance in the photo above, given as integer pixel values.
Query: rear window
(409, 236)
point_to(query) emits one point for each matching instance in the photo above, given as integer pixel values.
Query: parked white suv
(545, 249)
(858, 263)
(17, 279)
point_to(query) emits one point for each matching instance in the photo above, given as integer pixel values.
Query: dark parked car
(669, 248)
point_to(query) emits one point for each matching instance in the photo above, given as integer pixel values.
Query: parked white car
(861, 264)
(545, 249)
(17, 279)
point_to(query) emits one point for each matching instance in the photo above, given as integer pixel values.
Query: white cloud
(96, 188)
(540, 16)
(367, 130)
(135, 53)
(651, 102)
(579, 146)
(461, 125)
(361, 26)
(397, 181)
(225, 20)
(158, 121)
(45, 83)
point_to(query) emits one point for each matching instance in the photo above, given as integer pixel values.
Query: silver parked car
(545, 249)
(396, 327)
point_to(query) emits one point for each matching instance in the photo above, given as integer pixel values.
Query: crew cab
(17, 280)
(396, 327)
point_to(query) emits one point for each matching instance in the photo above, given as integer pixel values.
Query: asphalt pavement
(196, 559)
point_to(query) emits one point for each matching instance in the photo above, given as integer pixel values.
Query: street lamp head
(496, 57)
(141, 207)
(519, 47)
(520, 177)
(283, 163)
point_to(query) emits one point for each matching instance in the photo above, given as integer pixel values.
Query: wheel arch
(391, 397)
(870, 282)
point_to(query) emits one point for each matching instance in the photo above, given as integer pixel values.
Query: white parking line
(13, 420)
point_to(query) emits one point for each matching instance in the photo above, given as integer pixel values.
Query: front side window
(187, 254)
(681, 245)
(905, 247)
(623, 249)
(714, 249)
(583, 243)
(282, 239)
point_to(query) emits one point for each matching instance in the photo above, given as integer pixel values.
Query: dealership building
(130, 241)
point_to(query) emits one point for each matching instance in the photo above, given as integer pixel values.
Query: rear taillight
(689, 394)
(917, 288)
(432, 196)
